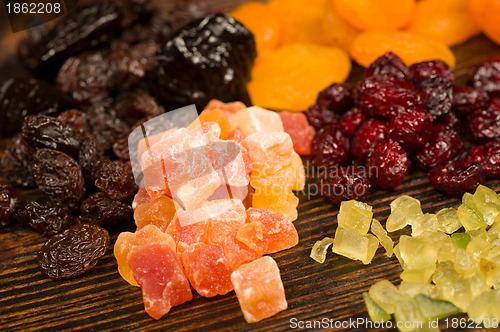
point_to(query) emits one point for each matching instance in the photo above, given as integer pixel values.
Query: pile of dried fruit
(404, 114)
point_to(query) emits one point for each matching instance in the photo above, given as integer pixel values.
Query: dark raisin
(126, 69)
(120, 148)
(9, 204)
(48, 218)
(487, 76)
(319, 116)
(145, 54)
(444, 145)
(132, 107)
(60, 177)
(337, 97)
(330, 148)
(17, 163)
(47, 132)
(388, 165)
(113, 180)
(351, 120)
(388, 64)
(488, 156)
(467, 99)
(101, 210)
(105, 124)
(411, 128)
(74, 119)
(483, 126)
(456, 177)
(345, 183)
(369, 133)
(157, 29)
(73, 252)
(89, 155)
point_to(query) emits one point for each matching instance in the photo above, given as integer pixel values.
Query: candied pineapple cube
(417, 253)
(468, 215)
(404, 211)
(356, 216)
(354, 246)
(446, 249)
(486, 308)
(319, 249)
(487, 203)
(478, 247)
(418, 275)
(385, 294)
(448, 221)
(382, 236)
(376, 313)
(464, 263)
(426, 222)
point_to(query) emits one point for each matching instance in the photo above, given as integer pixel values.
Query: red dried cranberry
(428, 69)
(319, 116)
(336, 97)
(494, 105)
(388, 165)
(468, 99)
(450, 120)
(386, 96)
(330, 148)
(483, 126)
(487, 76)
(350, 121)
(371, 132)
(345, 183)
(488, 155)
(388, 64)
(444, 145)
(410, 129)
(456, 177)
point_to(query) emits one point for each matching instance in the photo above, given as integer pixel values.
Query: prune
(330, 148)
(89, 155)
(487, 77)
(73, 252)
(113, 180)
(120, 148)
(388, 165)
(132, 107)
(101, 210)
(444, 145)
(156, 29)
(456, 177)
(345, 183)
(74, 119)
(467, 99)
(411, 128)
(386, 96)
(369, 133)
(27, 96)
(48, 218)
(337, 97)
(9, 204)
(189, 10)
(59, 176)
(483, 126)
(47, 132)
(105, 125)
(488, 156)
(209, 58)
(17, 163)
(388, 64)
(319, 116)
(87, 28)
(351, 120)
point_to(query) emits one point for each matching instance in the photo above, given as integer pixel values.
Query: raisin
(188, 10)
(487, 76)
(132, 107)
(17, 163)
(345, 183)
(74, 119)
(47, 132)
(101, 210)
(336, 97)
(27, 96)
(319, 116)
(369, 133)
(113, 180)
(9, 204)
(388, 165)
(73, 252)
(468, 99)
(105, 125)
(330, 148)
(444, 145)
(410, 129)
(145, 54)
(488, 155)
(456, 177)
(89, 155)
(59, 176)
(127, 71)
(351, 120)
(120, 148)
(388, 64)
(483, 126)
(48, 218)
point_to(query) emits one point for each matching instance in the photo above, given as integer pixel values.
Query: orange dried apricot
(213, 115)
(291, 76)
(336, 31)
(411, 48)
(486, 13)
(376, 14)
(262, 22)
(445, 20)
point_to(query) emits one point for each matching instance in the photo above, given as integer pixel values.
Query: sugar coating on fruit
(296, 125)
(160, 275)
(350, 244)
(381, 234)
(356, 216)
(300, 172)
(319, 249)
(259, 289)
(285, 203)
(227, 108)
(140, 198)
(404, 210)
(255, 119)
(159, 212)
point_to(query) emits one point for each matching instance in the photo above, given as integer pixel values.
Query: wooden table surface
(101, 300)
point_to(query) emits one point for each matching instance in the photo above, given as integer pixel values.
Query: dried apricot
(485, 13)
(411, 48)
(291, 76)
(376, 14)
(336, 31)
(213, 115)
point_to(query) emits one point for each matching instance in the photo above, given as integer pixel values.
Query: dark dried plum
(101, 210)
(105, 125)
(9, 204)
(47, 132)
(48, 218)
(17, 163)
(209, 58)
(456, 177)
(188, 10)
(74, 119)
(73, 252)
(59, 176)
(113, 180)
(27, 96)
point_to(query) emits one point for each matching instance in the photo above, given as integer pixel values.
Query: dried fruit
(336, 97)
(330, 148)
(336, 32)
(350, 121)
(48, 218)
(487, 76)
(9, 204)
(488, 156)
(456, 177)
(388, 64)
(73, 252)
(99, 209)
(483, 126)
(105, 125)
(17, 163)
(369, 133)
(74, 119)
(485, 13)
(133, 107)
(388, 165)
(345, 183)
(89, 155)
(319, 116)
(296, 125)
(444, 145)
(410, 129)
(113, 180)
(468, 99)
(121, 149)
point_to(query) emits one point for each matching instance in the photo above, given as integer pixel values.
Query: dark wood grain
(101, 301)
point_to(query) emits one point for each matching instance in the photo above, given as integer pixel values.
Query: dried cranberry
(483, 126)
(444, 145)
(488, 155)
(487, 76)
(388, 165)
(386, 96)
(426, 70)
(9, 204)
(330, 148)
(75, 119)
(351, 120)
(336, 97)
(48, 218)
(456, 177)
(410, 129)
(101, 210)
(369, 133)
(345, 183)
(468, 99)
(388, 64)
(450, 120)
(319, 116)
(17, 163)
(113, 180)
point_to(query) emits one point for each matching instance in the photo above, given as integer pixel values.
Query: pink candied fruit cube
(301, 132)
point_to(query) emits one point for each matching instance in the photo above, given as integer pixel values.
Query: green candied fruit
(448, 221)
(319, 249)
(432, 309)
(487, 203)
(385, 294)
(460, 240)
(404, 211)
(377, 314)
(382, 236)
(408, 316)
(356, 216)
(468, 215)
(354, 246)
